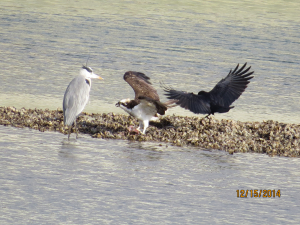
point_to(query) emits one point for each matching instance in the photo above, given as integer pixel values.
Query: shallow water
(47, 180)
(189, 45)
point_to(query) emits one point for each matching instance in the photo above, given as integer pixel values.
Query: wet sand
(267, 137)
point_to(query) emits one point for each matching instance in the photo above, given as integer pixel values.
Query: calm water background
(188, 44)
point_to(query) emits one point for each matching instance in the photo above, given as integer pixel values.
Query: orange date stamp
(256, 193)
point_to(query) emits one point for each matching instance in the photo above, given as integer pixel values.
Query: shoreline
(268, 137)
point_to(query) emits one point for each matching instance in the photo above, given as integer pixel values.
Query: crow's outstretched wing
(195, 103)
(231, 87)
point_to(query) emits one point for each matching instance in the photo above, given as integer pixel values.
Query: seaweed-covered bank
(270, 137)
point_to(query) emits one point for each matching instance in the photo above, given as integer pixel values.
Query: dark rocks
(270, 137)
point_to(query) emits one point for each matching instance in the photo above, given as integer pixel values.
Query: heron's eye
(88, 82)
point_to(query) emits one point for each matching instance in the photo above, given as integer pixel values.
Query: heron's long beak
(117, 104)
(96, 76)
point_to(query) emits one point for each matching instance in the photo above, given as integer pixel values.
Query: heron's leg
(76, 130)
(69, 132)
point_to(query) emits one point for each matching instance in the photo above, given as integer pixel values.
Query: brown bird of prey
(146, 104)
(219, 98)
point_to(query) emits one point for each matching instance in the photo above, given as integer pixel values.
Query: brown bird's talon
(133, 130)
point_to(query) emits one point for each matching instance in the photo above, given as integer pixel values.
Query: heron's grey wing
(75, 99)
(195, 103)
(141, 85)
(231, 87)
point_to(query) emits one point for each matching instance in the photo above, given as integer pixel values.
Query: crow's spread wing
(190, 101)
(231, 87)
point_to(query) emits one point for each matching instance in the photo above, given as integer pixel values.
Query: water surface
(47, 180)
(190, 45)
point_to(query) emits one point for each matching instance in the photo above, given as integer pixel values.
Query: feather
(219, 99)
(141, 85)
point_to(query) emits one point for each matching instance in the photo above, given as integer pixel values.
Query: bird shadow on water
(143, 146)
(144, 151)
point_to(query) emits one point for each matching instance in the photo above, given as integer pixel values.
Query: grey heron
(77, 96)
(219, 98)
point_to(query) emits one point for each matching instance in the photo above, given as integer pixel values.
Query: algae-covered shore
(270, 137)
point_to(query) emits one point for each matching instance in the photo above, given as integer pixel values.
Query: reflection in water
(66, 154)
(67, 149)
(149, 146)
(141, 152)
